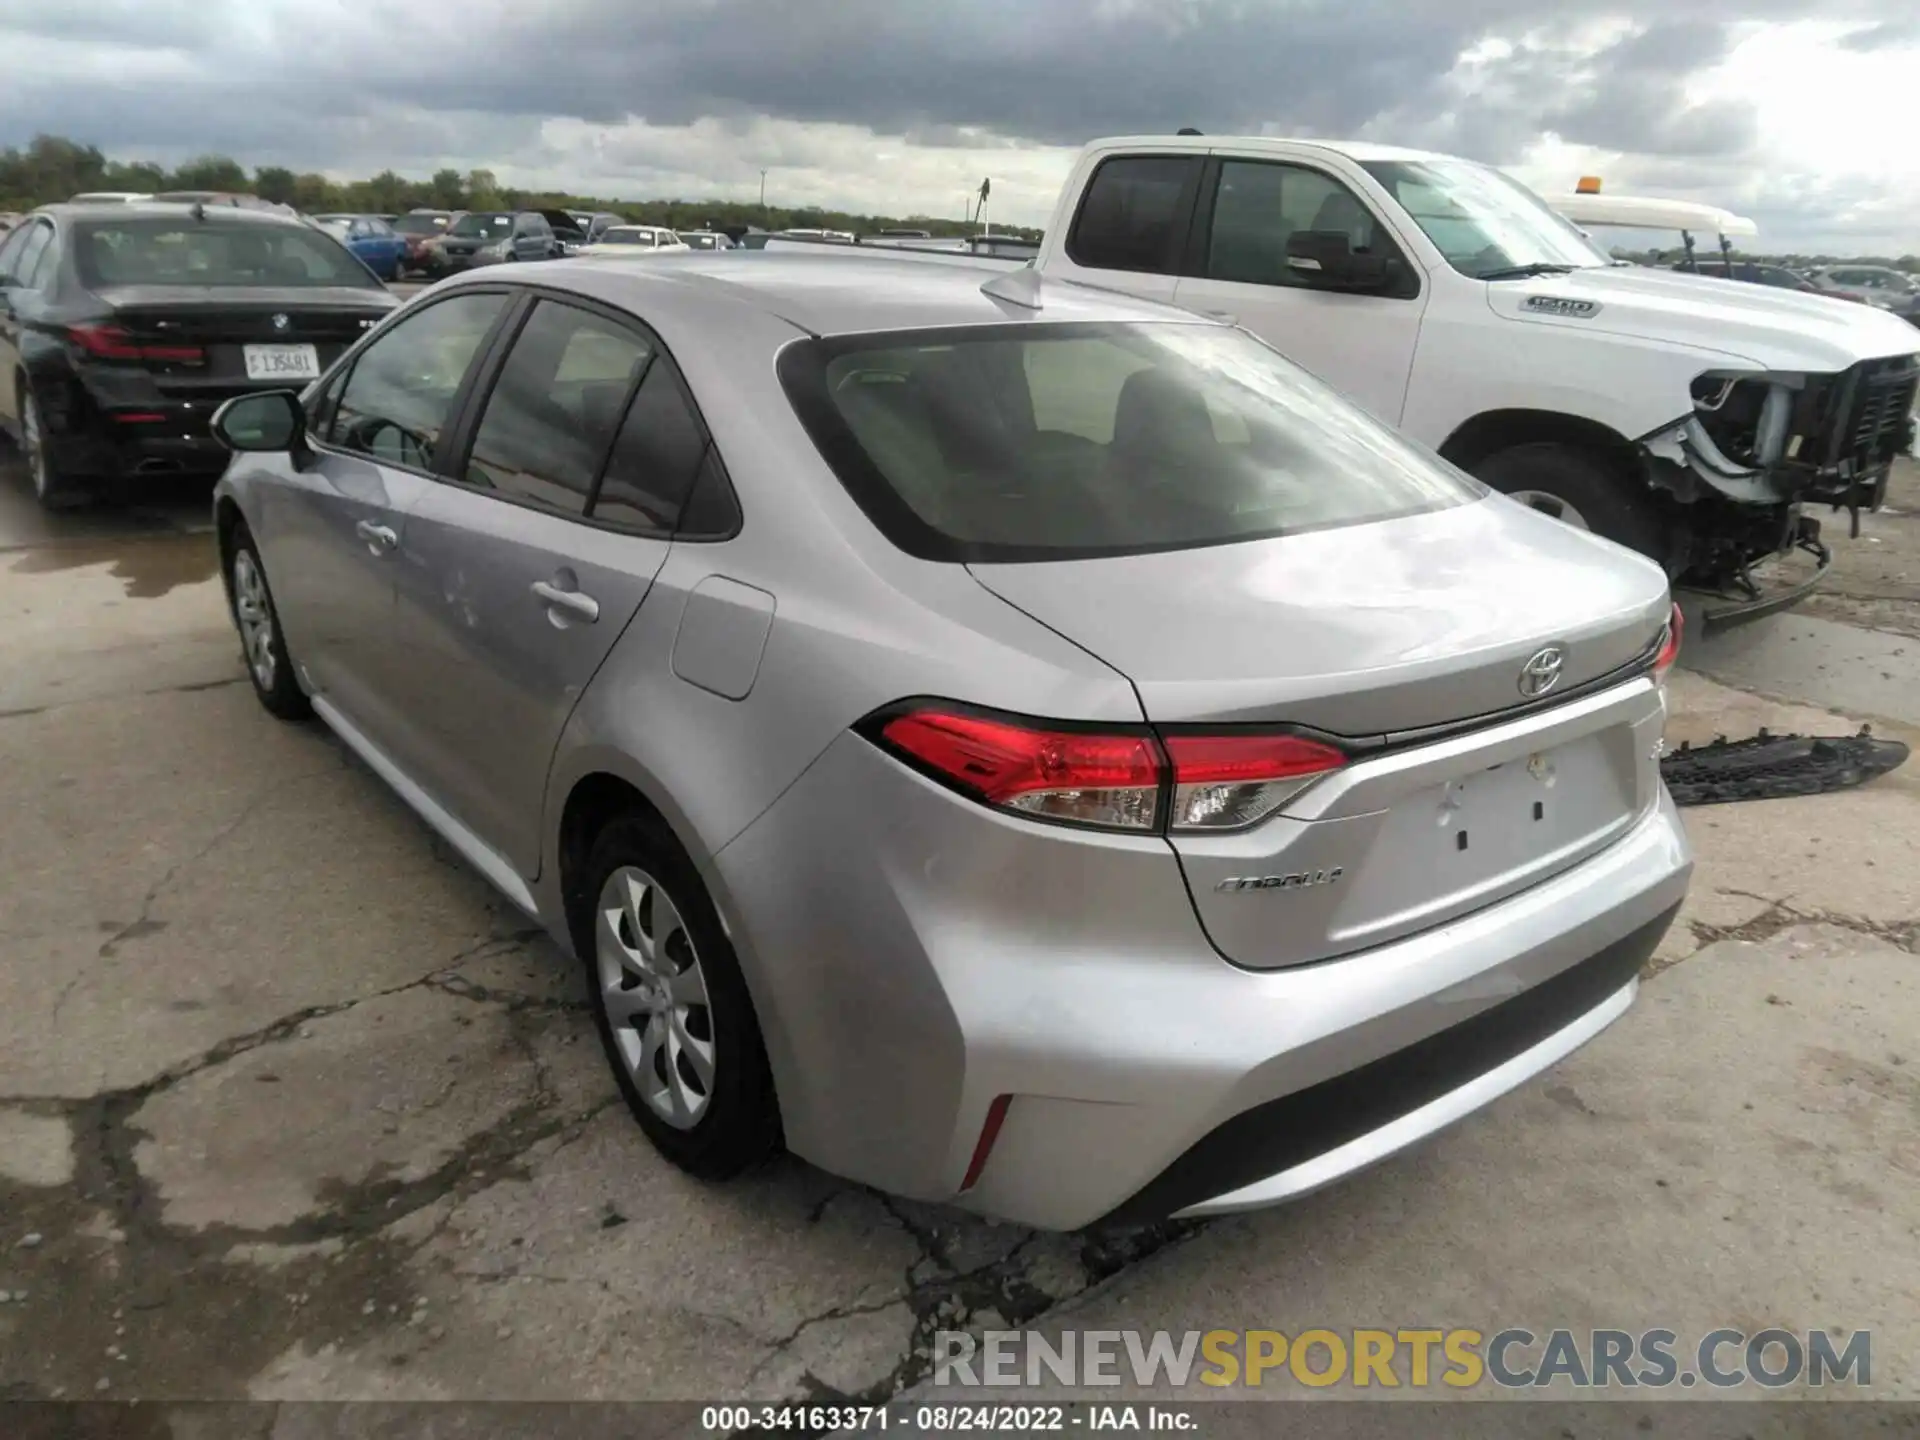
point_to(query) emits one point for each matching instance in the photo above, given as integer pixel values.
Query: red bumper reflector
(989, 1132)
(139, 417)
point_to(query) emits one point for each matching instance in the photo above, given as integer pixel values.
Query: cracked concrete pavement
(291, 1106)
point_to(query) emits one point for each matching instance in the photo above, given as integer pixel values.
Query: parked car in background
(108, 197)
(704, 240)
(491, 237)
(372, 240)
(639, 591)
(1752, 272)
(593, 224)
(1697, 424)
(1881, 286)
(568, 236)
(123, 327)
(631, 239)
(417, 228)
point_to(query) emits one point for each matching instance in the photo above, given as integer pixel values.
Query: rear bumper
(1300, 1142)
(92, 443)
(913, 958)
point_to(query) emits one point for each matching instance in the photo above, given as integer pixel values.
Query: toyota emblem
(281, 322)
(1542, 671)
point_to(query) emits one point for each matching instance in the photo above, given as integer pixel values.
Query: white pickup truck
(1688, 417)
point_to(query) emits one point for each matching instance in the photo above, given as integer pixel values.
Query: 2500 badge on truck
(1689, 419)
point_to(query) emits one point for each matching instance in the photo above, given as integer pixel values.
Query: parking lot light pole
(763, 195)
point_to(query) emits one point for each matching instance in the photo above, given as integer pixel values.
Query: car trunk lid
(195, 341)
(1408, 638)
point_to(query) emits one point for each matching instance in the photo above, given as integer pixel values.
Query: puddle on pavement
(147, 566)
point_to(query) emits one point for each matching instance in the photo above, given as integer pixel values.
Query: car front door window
(399, 398)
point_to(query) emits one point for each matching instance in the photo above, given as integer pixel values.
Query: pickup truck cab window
(1258, 205)
(1135, 213)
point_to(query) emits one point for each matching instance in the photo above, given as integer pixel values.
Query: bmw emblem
(282, 323)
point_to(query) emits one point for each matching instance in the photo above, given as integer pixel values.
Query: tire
(1584, 490)
(51, 488)
(667, 994)
(262, 646)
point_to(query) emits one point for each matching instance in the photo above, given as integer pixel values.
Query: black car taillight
(1108, 779)
(110, 342)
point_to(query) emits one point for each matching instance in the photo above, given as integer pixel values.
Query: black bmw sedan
(122, 329)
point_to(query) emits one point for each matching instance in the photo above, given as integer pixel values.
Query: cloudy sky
(1804, 114)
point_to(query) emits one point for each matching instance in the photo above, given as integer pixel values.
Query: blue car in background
(374, 242)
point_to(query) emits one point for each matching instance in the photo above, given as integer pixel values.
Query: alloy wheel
(655, 996)
(253, 611)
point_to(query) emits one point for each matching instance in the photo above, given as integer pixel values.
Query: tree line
(53, 168)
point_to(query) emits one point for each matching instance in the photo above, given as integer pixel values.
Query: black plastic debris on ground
(1772, 767)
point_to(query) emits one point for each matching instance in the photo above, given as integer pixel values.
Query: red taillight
(1222, 782)
(1080, 777)
(139, 417)
(1669, 645)
(110, 342)
(1112, 779)
(989, 1132)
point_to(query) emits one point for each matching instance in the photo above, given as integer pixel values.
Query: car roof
(1357, 150)
(166, 210)
(842, 294)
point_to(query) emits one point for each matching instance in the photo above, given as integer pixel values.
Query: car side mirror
(1326, 258)
(268, 422)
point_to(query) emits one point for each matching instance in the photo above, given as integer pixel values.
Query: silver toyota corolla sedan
(1010, 744)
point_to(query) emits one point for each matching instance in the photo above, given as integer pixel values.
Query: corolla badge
(1299, 880)
(282, 323)
(1542, 671)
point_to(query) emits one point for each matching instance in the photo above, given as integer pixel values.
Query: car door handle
(581, 607)
(380, 539)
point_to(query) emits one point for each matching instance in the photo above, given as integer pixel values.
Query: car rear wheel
(673, 1010)
(1581, 489)
(52, 489)
(261, 644)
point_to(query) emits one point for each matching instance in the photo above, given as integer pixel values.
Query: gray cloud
(312, 83)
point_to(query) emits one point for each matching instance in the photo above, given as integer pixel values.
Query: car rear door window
(1135, 213)
(656, 458)
(1259, 205)
(399, 398)
(553, 413)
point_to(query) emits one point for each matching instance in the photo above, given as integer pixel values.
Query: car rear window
(1048, 442)
(488, 227)
(207, 252)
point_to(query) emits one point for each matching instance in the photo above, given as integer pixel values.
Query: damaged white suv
(1688, 417)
